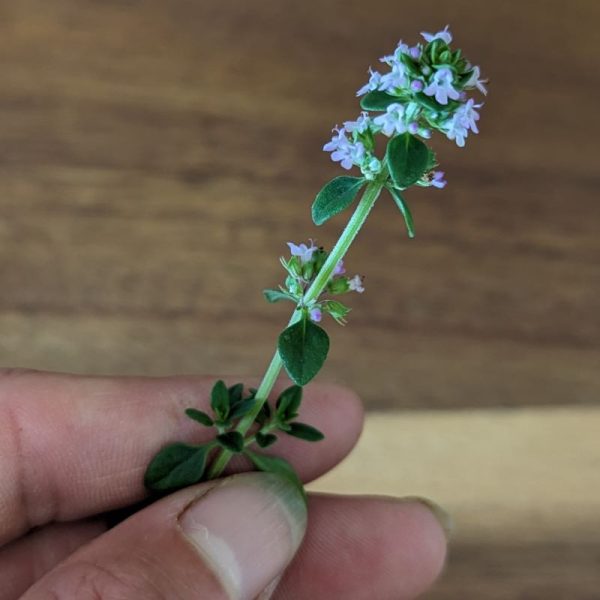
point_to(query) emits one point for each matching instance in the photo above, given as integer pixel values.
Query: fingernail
(247, 529)
(442, 516)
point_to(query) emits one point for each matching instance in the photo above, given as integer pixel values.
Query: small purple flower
(302, 251)
(475, 81)
(465, 118)
(356, 284)
(441, 86)
(395, 79)
(437, 180)
(443, 35)
(392, 121)
(360, 125)
(343, 150)
(417, 85)
(316, 314)
(393, 59)
(339, 269)
(372, 84)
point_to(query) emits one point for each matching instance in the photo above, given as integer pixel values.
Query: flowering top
(424, 90)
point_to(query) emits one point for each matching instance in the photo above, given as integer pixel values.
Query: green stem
(314, 291)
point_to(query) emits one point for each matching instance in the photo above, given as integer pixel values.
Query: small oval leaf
(334, 197)
(377, 100)
(305, 432)
(199, 416)
(303, 348)
(289, 402)
(242, 408)
(264, 440)
(232, 440)
(407, 159)
(176, 466)
(220, 400)
(235, 393)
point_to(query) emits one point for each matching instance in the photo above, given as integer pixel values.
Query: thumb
(221, 540)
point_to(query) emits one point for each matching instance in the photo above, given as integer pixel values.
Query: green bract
(401, 204)
(277, 295)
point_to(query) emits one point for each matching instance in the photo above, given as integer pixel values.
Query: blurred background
(155, 157)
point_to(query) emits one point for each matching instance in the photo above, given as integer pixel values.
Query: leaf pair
(287, 407)
(179, 465)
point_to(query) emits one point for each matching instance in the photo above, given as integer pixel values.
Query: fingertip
(426, 526)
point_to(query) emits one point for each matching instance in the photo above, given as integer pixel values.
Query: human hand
(73, 448)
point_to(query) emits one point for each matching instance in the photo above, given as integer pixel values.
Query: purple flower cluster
(303, 266)
(428, 84)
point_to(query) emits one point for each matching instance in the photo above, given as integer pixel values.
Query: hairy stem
(314, 291)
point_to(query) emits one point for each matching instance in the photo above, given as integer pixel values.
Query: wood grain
(156, 157)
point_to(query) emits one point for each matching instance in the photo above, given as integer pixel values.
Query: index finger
(73, 446)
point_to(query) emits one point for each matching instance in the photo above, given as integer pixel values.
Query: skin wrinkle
(14, 429)
(99, 580)
(24, 488)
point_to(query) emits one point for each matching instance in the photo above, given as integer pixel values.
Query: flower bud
(339, 285)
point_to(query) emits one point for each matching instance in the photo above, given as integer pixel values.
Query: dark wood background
(155, 156)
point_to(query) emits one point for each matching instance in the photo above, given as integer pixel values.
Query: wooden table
(156, 156)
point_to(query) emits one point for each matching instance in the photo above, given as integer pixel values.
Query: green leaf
(220, 400)
(242, 408)
(303, 348)
(377, 100)
(264, 440)
(200, 416)
(407, 159)
(264, 414)
(176, 466)
(235, 394)
(273, 296)
(232, 440)
(289, 402)
(413, 67)
(280, 466)
(401, 203)
(334, 197)
(305, 432)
